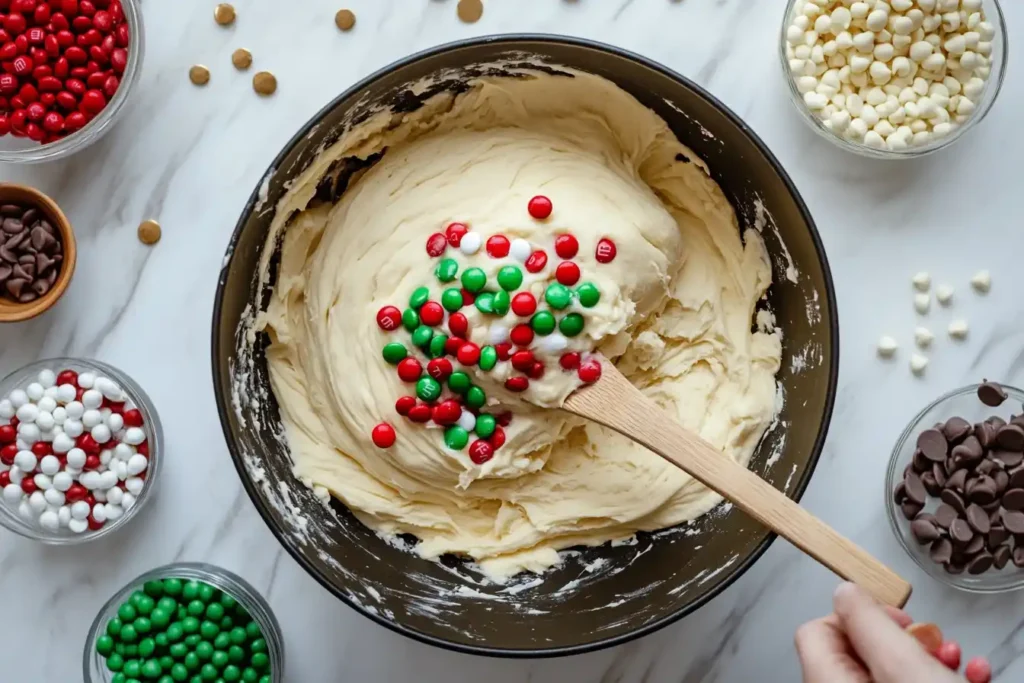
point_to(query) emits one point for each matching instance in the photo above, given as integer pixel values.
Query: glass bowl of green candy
(185, 622)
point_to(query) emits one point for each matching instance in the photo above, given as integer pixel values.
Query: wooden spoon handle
(617, 404)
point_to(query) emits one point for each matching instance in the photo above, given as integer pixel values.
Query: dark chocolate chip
(1001, 556)
(12, 226)
(40, 287)
(30, 217)
(8, 255)
(5, 271)
(984, 433)
(1014, 499)
(927, 517)
(939, 475)
(1017, 420)
(920, 463)
(1011, 438)
(971, 449)
(1002, 479)
(983, 491)
(27, 258)
(42, 240)
(930, 485)
(924, 531)
(915, 489)
(944, 515)
(953, 500)
(933, 444)
(957, 480)
(1013, 520)
(996, 422)
(900, 493)
(995, 515)
(980, 564)
(978, 519)
(986, 467)
(955, 429)
(991, 394)
(976, 545)
(43, 264)
(45, 225)
(941, 551)
(997, 536)
(910, 509)
(10, 210)
(27, 296)
(52, 277)
(15, 286)
(960, 531)
(952, 568)
(1018, 557)
(1017, 478)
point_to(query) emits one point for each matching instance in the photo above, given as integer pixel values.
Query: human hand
(862, 642)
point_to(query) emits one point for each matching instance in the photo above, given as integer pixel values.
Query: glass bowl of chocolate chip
(955, 488)
(37, 252)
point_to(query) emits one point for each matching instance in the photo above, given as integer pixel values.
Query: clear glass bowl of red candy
(80, 450)
(67, 68)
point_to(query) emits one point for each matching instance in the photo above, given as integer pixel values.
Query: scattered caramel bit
(224, 14)
(199, 75)
(928, 635)
(470, 11)
(264, 83)
(345, 19)
(241, 58)
(149, 232)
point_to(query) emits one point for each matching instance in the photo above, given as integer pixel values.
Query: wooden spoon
(617, 404)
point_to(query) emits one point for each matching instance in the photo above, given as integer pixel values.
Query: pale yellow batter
(676, 312)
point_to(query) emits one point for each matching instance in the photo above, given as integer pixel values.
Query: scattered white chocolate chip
(922, 281)
(887, 347)
(924, 337)
(982, 281)
(922, 302)
(958, 329)
(944, 294)
(918, 363)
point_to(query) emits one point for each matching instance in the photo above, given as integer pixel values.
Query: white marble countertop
(190, 157)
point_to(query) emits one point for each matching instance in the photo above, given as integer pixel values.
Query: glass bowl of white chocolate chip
(893, 78)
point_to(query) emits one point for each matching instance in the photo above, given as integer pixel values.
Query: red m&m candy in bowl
(69, 85)
(80, 453)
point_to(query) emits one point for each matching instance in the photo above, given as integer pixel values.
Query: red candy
(132, 418)
(949, 654)
(522, 360)
(524, 304)
(5, 479)
(409, 370)
(468, 297)
(536, 370)
(8, 434)
(404, 404)
(503, 419)
(88, 444)
(469, 353)
(498, 246)
(570, 361)
(7, 454)
(458, 325)
(978, 670)
(536, 262)
(517, 383)
(589, 371)
(440, 369)
(92, 462)
(480, 451)
(389, 318)
(76, 493)
(521, 335)
(41, 448)
(447, 412)
(452, 345)
(420, 413)
(567, 273)
(605, 252)
(95, 525)
(539, 207)
(504, 350)
(28, 485)
(454, 232)
(383, 435)
(497, 439)
(436, 244)
(566, 246)
(431, 313)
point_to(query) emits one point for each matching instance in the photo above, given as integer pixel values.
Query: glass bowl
(9, 515)
(1000, 51)
(960, 403)
(23, 150)
(94, 664)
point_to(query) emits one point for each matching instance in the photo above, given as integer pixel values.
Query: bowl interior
(602, 595)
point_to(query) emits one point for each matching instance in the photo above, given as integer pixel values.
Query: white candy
(73, 428)
(16, 475)
(115, 495)
(121, 469)
(37, 501)
(470, 243)
(106, 456)
(47, 378)
(80, 510)
(123, 451)
(134, 436)
(958, 329)
(35, 391)
(92, 399)
(137, 464)
(49, 520)
(59, 416)
(64, 515)
(134, 485)
(944, 294)
(66, 393)
(18, 398)
(110, 389)
(62, 441)
(26, 460)
(982, 281)
(54, 497)
(114, 512)
(100, 495)
(108, 480)
(49, 465)
(99, 512)
(922, 281)
(79, 526)
(46, 404)
(73, 471)
(25, 510)
(115, 423)
(28, 412)
(75, 410)
(45, 422)
(887, 347)
(918, 363)
(101, 433)
(552, 343)
(62, 481)
(922, 303)
(12, 494)
(90, 480)
(7, 410)
(91, 418)
(128, 502)
(86, 380)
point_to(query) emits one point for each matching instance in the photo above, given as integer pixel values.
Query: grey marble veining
(190, 158)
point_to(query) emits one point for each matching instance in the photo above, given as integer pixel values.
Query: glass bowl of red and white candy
(79, 450)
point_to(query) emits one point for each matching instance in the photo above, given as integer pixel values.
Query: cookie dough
(676, 311)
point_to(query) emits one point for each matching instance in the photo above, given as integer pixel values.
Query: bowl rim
(16, 312)
(224, 408)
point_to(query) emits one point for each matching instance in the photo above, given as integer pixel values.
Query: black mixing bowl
(599, 596)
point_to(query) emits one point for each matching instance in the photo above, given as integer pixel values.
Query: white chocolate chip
(918, 363)
(924, 337)
(922, 303)
(922, 281)
(887, 347)
(982, 281)
(944, 294)
(958, 329)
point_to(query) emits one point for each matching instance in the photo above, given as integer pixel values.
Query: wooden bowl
(10, 311)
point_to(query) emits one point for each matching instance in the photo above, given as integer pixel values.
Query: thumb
(890, 654)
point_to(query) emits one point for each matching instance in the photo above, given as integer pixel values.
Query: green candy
(143, 625)
(178, 650)
(131, 651)
(204, 651)
(152, 669)
(252, 629)
(160, 617)
(232, 673)
(238, 636)
(475, 397)
(181, 612)
(167, 605)
(191, 661)
(127, 612)
(258, 645)
(214, 611)
(227, 623)
(419, 296)
(222, 641)
(118, 678)
(227, 601)
(410, 319)
(235, 654)
(190, 625)
(451, 299)
(265, 679)
(147, 646)
(485, 303)
(260, 660)
(207, 592)
(166, 662)
(196, 608)
(129, 634)
(179, 672)
(119, 648)
(422, 336)
(153, 589)
(485, 425)
(208, 630)
(175, 632)
(105, 645)
(172, 587)
(115, 662)
(543, 322)
(209, 672)
(558, 296)
(456, 438)
(437, 343)
(132, 668)
(474, 279)
(190, 590)
(588, 294)
(459, 382)
(114, 627)
(249, 675)
(143, 603)
(219, 659)
(488, 358)
(502, 302)
(161, 639)
(571, 325)
(428, 389)
(446, 270)
(510, 278)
